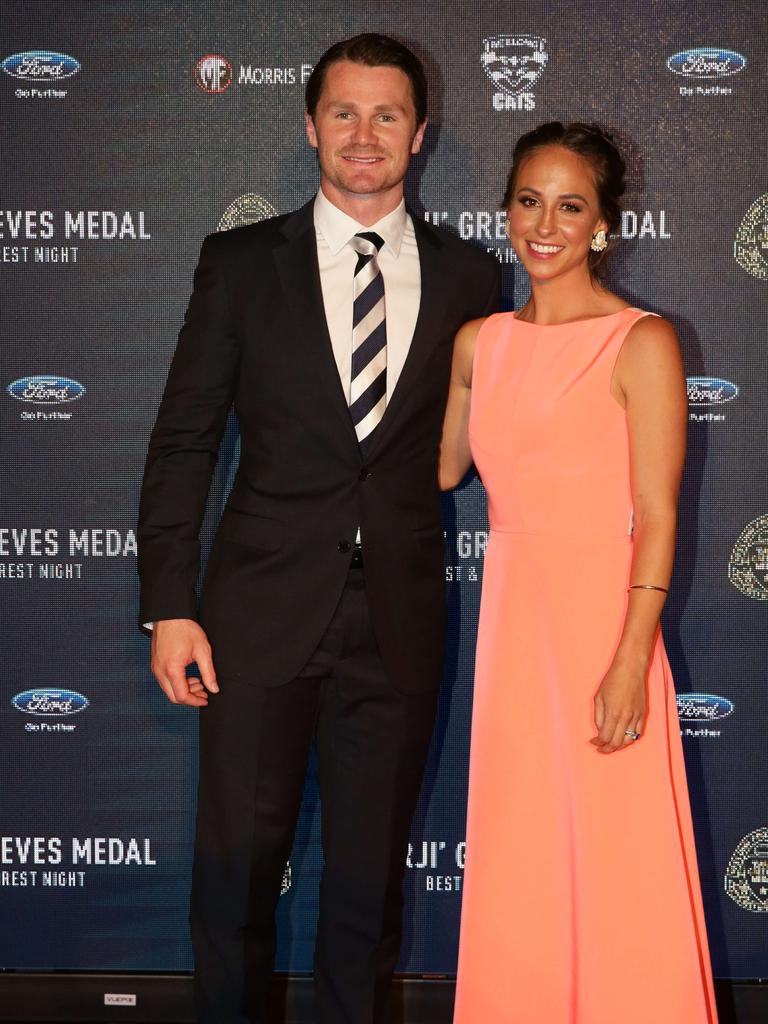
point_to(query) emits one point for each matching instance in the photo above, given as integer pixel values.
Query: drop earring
(599, 241)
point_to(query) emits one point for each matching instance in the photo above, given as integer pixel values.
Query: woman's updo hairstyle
(601, 153)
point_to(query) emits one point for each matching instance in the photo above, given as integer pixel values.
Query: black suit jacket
(255, 335)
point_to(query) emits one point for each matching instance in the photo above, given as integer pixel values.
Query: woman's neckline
(571, 323)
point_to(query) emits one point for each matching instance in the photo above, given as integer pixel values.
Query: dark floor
(168, 1000)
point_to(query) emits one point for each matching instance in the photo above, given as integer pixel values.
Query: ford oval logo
(706, 62)
(46, 390)
(50, 701)
(702, 707)
(40, 66)
(710, 390)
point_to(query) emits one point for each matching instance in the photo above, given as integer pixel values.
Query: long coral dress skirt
(582, 902)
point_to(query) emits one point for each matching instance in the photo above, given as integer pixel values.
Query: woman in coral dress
(581, 899)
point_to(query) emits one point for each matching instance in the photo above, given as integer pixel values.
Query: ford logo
(710, 390)
(45, 390)
(706, 62)
(49, 701)
(40, 66)
(702, 707)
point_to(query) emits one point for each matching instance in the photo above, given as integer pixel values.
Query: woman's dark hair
(375, 51)
(600, 151)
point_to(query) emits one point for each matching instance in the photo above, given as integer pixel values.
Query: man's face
(364, 130)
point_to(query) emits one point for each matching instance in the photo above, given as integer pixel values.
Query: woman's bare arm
(649, 380)
(455, 456)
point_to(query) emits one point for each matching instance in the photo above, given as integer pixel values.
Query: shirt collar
(337, 227)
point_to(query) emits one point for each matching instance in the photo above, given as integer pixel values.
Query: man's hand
(176, 643)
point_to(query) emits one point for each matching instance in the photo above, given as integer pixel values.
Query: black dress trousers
(372, 743)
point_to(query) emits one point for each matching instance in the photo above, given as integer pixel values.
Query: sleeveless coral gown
(581, 898)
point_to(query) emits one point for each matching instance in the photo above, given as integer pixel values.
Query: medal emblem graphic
(746, 879)
(750, 250)
(748, 567)
(246, 209)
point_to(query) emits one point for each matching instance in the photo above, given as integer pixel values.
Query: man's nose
(364, 134)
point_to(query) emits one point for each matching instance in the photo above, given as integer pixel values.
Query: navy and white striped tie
(368, 391)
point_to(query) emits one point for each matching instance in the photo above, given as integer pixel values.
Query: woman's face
(555, 212)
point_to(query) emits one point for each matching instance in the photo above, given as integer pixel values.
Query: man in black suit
(322, 608)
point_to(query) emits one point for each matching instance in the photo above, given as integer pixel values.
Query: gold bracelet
(646, 586)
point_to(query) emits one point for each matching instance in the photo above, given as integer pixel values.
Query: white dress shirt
(399, 265)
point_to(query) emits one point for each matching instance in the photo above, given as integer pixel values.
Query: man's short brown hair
(375, 51)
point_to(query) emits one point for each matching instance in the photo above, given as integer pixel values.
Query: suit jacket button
(364, 474)
(344, 546)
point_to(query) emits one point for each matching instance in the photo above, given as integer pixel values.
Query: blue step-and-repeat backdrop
(129, 131)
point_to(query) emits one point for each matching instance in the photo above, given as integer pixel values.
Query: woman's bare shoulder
(470, 330)
(654, 331)
(651, 349)
(464, 348)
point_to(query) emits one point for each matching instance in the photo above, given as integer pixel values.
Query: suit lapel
(299, 275)
(432, 308)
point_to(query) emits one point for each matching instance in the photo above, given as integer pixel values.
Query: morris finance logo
(40, 66)
(514, 63)
(750, 250)
(746, 879)
(45, 390)
(213, 73)
(748, 566)
(50, 701)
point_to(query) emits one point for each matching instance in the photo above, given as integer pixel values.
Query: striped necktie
(368, 391)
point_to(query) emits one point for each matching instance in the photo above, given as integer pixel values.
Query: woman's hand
(620, 706)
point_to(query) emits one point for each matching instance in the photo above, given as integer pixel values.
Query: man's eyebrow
(377, 106)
